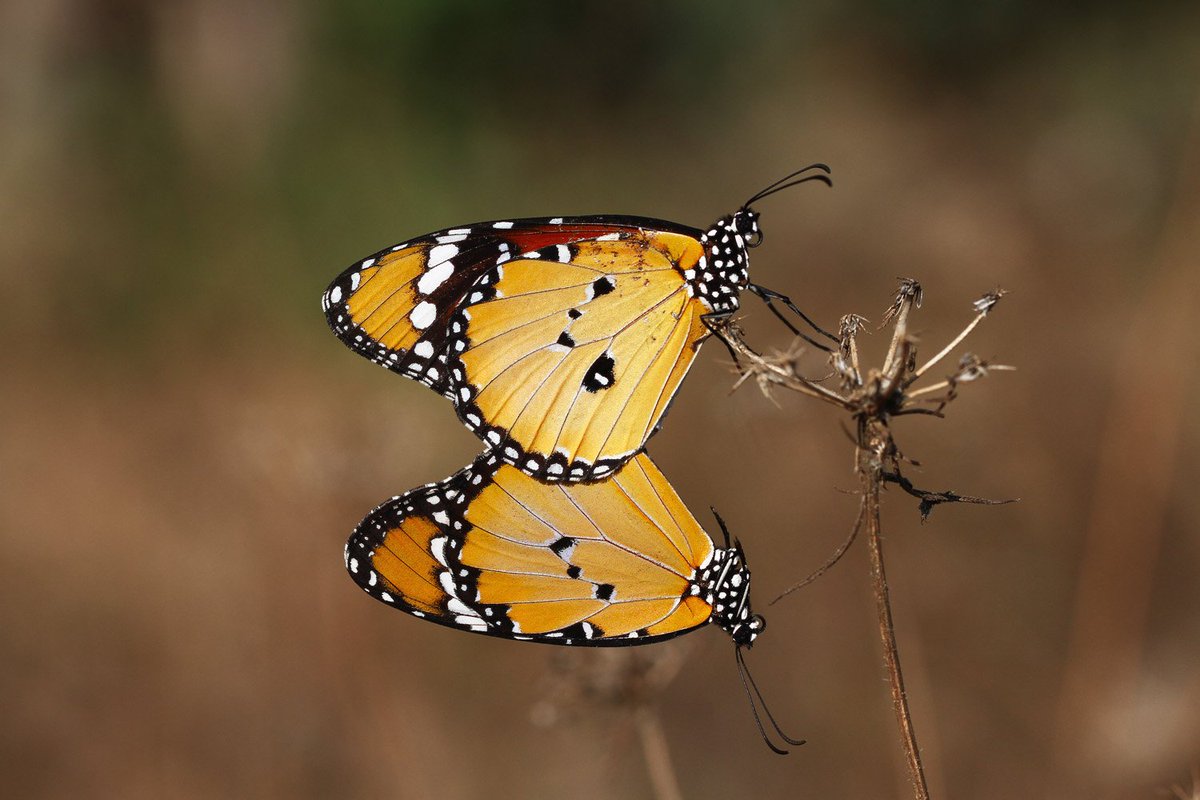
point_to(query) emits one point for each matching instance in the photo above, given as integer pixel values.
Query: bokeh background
(185, 447)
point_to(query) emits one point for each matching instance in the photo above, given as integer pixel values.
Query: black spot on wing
(600, 374)
(565, 339)
(603, 286)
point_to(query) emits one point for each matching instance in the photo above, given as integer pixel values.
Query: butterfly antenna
(747, 682)
(782, 183)
(721, 522)
(766, 709)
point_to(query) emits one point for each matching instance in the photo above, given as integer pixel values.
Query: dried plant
(628, 681)
(1178, 791)
(874, 398)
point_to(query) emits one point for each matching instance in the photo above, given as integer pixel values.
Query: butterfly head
(745, 222)
(722, 271)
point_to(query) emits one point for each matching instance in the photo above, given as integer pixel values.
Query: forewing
(394, 307)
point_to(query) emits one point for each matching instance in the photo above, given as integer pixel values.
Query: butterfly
(495, 551)
(561, 341)
(622, 561)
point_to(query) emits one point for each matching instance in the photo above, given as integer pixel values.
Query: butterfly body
(492, 550)
(560, 341)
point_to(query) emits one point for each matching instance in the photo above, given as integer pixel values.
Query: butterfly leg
(768, 295)
(715, 323)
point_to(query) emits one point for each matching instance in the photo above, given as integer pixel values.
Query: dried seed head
(986, 303)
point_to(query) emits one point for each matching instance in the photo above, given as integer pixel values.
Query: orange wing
(494, 551)
(560, 342)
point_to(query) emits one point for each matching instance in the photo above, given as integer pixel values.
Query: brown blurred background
(185, 446)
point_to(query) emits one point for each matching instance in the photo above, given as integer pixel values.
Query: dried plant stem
(948, 348)
(870, 472)
(657, 755)
(941, 386)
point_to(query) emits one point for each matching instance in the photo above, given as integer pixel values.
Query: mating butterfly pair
(561, 343)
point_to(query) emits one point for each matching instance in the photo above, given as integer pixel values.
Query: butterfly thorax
(725, 584)
(723, 269)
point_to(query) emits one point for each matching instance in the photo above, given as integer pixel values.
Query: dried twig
(627, 680)
(930, 499)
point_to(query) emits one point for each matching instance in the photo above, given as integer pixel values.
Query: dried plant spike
(845, 361)
(986, 303)
(908, 295)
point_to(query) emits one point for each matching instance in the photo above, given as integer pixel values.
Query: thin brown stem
(916, 771)
(657, 755)
(945, 351)
(780, 371)
(833, 559)
(947, 384)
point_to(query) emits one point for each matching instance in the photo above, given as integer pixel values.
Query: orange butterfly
(495, 551)
(560, 341)
(622, 561)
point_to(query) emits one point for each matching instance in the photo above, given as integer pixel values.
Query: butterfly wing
(393, 307)
(561, 342)
(494, 551)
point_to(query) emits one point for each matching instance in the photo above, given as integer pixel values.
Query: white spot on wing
(423, 349)
(437, 548)
(442, 252)
(423, 315)
(434, 277)
(459, 607)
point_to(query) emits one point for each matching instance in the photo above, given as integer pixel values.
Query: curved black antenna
(823, 167)
(721, 522)
(753, 708)
(766, 709)
(782, 183)
(747, 683)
